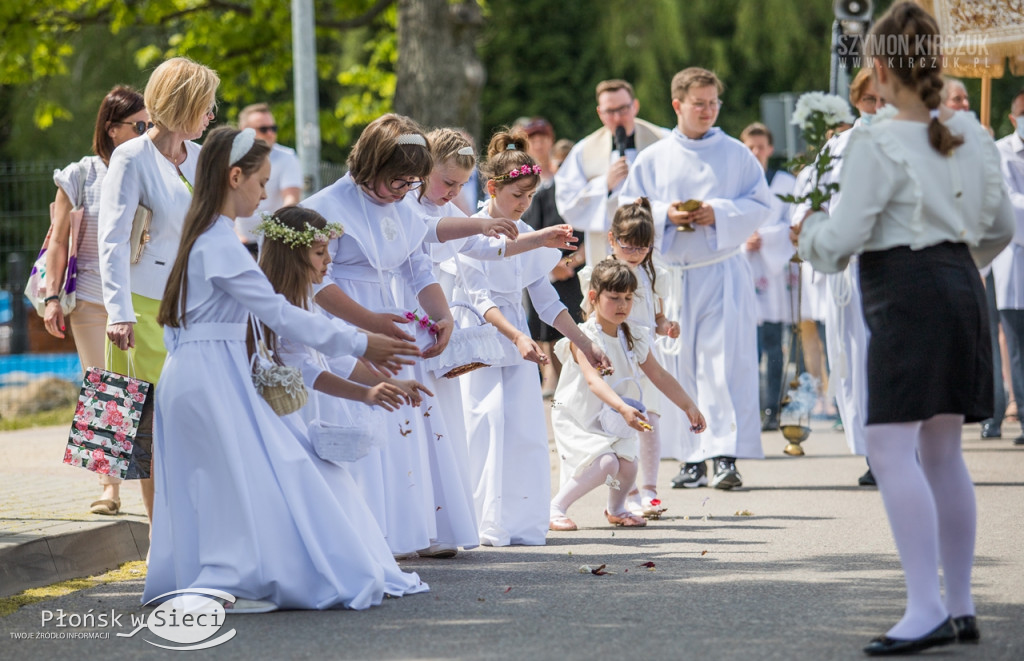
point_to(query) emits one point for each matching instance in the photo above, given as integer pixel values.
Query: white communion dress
(242, 505)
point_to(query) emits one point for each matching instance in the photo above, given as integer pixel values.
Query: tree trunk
(439, 74)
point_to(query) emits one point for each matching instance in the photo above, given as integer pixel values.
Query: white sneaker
(439, 550)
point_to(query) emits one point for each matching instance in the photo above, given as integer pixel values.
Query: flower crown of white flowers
(273, 229)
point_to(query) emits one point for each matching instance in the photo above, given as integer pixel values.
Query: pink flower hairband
(524, 171)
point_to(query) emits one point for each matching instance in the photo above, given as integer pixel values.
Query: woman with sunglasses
(121, 117)
(156, 171)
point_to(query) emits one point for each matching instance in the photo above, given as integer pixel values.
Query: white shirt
(82, 182)
(899, 191)
(1008, 267)
(140, 174)
(285, 172)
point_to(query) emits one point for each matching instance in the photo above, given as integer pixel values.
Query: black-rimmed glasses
(399, 185)
(140, 127)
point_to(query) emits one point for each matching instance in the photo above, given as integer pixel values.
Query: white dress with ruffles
(575, 409)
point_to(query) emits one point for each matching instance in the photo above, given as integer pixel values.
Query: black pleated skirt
(930, 350)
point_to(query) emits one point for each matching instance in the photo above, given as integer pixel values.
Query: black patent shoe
(966, 629)
(944, 634)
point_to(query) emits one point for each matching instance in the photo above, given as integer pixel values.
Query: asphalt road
(797, 564)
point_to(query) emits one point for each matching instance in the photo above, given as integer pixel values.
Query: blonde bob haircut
(179, 93)
(378, 159)
(692, 77)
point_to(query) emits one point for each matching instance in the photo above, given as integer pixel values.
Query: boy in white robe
(698, 167)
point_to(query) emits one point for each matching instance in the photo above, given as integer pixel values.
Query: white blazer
(139, 173)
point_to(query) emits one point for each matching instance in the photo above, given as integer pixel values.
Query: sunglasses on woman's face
(140, 127)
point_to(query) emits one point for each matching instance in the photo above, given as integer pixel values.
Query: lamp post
(851, 25)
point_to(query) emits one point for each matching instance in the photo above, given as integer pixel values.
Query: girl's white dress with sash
(579, 437)
(380, 263)
(510, 466)
(242, 504)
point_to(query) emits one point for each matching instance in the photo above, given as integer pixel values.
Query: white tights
(593, 476)
(929, 498)
(650, 457)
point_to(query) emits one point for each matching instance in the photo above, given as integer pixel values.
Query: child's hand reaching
(666, 327)
(597, 358)
(634, 418)
(385, 395)
(558, 236)
(697, 424)
(495, 227)
(529, 350)
(411, 390)
(444, 329)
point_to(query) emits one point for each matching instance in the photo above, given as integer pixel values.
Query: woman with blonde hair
(157, 172)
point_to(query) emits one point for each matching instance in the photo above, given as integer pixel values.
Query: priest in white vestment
(702, 180)
(588, 181)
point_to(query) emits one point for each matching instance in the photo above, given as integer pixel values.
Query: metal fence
(27, 353)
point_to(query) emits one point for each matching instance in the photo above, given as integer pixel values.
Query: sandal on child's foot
(562, 524)
(626, 520)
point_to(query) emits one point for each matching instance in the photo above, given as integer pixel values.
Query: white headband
(465, 151)
(411, 139)
(241, 145)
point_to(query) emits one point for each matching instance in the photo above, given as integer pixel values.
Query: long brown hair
(288, 268)
(614, 276)
(633, 223)
(210, 192)
(907, 27)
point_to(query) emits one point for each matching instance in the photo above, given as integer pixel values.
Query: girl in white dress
(294, 258)
(593, 455)
(380, 274)
(510, 469)
(631, 240)
(448, 236)
(242, 506)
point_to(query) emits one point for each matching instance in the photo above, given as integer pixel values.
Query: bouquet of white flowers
(818, 114)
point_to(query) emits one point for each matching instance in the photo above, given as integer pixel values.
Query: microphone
(620, 140)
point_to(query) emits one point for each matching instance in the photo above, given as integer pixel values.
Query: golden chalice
(689, 205)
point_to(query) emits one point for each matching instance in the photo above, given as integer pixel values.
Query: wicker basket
(281, 386)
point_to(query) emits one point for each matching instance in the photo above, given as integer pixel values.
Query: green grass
(61, 416)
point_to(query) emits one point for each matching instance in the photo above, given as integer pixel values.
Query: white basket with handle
(470, 348)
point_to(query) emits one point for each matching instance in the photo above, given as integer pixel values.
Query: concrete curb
(84, 549)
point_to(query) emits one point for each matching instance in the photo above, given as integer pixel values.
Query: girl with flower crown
(241, 503)
(294, 258)
(379, 274)
(509, 465)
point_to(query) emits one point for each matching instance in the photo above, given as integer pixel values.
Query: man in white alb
(708, 195)
(285, 185)
(588, 181)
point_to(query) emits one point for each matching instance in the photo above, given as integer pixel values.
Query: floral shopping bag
(106, 419)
